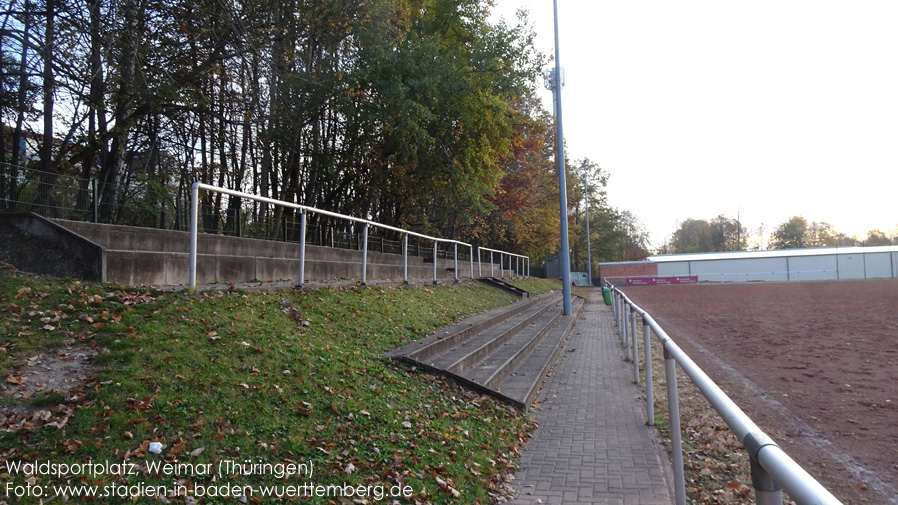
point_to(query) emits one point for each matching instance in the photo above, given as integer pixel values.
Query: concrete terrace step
(466, 355)
(505, 352)
(504, 286)
(524, 383)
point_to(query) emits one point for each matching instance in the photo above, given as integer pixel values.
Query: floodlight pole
(562, 185)
(586, 186)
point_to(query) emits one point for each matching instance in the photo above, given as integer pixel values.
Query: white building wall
(878, 265)
(786, 265)
(851, 266)
(673, 268)
(813, 268)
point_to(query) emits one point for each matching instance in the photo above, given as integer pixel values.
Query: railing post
(676, 439)
(767, 491)
(479, 264)
(471, 258)
(302, 248)
(191, 269)
(491, 264)
(649, 391)
(501, 266)
(405, 258)
(635, 348)
(455, 258)
(364, 253)
(434, 261)
(625, 316)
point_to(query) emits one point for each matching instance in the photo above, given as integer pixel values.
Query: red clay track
(815, 364)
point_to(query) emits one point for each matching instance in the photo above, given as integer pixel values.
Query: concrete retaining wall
(146, 256)
(35, 244)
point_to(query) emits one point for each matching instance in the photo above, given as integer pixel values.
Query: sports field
(815, 364)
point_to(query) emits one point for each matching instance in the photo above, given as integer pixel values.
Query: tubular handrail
(519, 268)
(767, 458)
(194, 211)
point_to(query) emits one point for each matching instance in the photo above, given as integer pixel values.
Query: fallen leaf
(12, 379)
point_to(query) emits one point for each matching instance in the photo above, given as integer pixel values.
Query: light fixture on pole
(586, 192)
(554, 83)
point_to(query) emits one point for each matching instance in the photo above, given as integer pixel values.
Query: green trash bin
(606, 294)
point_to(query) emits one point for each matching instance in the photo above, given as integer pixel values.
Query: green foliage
(791, 234)
(719, 234)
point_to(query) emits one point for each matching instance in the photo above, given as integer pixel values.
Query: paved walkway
(593, 445)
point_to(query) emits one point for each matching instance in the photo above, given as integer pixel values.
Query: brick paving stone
(592, 444)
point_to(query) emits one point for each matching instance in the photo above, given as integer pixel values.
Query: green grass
(267, 377)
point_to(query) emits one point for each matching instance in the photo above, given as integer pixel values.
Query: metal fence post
(649, 391)
(635, 348)
(191, 268)
(767, 490)
(491, 264)
(471, 259)
(434, 261)
(676, 439)
(479, 264)
(405, 258)
(626, 328)
(302, 248)
(364, 253)
(455, 258)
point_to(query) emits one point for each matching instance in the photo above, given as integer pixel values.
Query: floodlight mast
(554, 83)
(586, 193)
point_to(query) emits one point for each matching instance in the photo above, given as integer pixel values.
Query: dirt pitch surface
(814, 364)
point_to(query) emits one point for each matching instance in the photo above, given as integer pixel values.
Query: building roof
(773, 253)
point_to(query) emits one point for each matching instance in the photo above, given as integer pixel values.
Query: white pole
(191, 269)
(455, 258)
(405, 259)
(302, 248)
(364, 253)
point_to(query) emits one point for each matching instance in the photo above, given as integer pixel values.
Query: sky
(760, 110)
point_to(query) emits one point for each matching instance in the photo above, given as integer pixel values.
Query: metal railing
(772, 470)
(304, 210)
(521, 265)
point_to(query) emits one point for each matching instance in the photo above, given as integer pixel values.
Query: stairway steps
(505, 352)
(466, 354)
(447, 338)
(494, 368)
(524, 384)
(504, 286)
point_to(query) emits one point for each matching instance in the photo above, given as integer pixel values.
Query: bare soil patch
(815, 364)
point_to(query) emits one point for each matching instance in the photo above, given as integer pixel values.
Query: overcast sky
(765, 109)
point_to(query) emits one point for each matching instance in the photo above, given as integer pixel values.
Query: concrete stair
(505, 352)
(504, 286)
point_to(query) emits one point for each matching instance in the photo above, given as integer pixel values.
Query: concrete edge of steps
(523, 394)
(536, 385)
(449, 337)
(470, 358)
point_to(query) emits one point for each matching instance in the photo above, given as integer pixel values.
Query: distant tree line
(727, 234)
(414, 113)
(797, 232)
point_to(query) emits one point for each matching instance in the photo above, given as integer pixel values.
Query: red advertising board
(652, 281)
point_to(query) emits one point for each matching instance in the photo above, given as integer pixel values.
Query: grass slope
(261, 379)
